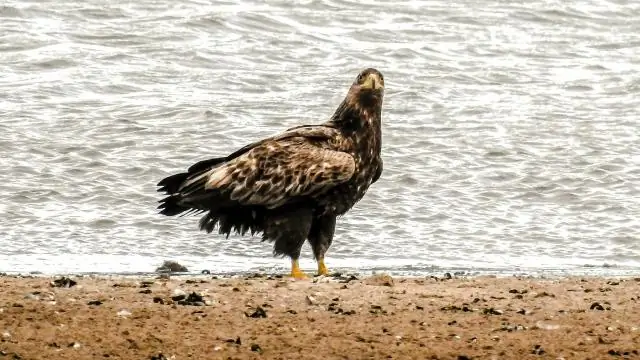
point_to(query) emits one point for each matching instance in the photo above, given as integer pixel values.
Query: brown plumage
(290, 187)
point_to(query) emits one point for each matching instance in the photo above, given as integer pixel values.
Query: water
(510, 137)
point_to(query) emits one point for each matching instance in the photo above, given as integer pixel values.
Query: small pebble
(258, 313)
(124, 313)
(311, 300)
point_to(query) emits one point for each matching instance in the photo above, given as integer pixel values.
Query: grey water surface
(511, 129)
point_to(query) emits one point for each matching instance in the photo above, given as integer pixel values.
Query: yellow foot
(322, 268)
(296, 273)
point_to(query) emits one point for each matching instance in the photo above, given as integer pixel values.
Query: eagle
(290, 187)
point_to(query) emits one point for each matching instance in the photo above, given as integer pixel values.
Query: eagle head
(368, 88)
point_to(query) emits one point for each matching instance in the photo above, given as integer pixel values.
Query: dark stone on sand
(236, 341)
(259, 312)
(235, 289)
(158, 300)
(464, 308)
(205, 272)
(256, 348)
(492, 311)
(171, 266)
(145, 291)
(160, 356)
(543, 294)
(537, 350)
(64, 282)
(596, 306)
(447, 276)
(193, 299)
(95, 302)
(292, 312)
(613, 283)
(463, 357)
(179, 297)
(522, 312)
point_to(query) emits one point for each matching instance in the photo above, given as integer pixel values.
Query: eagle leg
(320, 238)
(288, 228)
(296, 273)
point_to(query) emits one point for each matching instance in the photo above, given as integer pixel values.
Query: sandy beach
(340, 317)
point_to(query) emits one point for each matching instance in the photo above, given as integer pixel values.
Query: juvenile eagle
(290, 187)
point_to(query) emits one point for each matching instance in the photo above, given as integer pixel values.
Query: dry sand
(323, 318)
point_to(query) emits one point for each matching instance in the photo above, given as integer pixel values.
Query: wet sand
(261, 317)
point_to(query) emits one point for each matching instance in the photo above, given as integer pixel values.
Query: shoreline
(262, 316)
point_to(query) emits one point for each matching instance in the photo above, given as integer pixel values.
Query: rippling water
(510, 137)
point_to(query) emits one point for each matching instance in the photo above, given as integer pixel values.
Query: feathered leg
(288, 229)
(320, 237)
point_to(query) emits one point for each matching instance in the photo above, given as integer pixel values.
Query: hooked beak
(372, 82)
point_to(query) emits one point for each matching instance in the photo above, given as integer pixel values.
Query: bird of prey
(292, 186)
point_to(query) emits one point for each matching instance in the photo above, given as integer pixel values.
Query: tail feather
(238, 219)
(171, 184)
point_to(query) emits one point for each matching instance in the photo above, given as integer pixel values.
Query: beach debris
(293, 312)
(205, 272)
(123, 285)
(256, 348)
(311, 300)
(124, 313)
(333, 307)
(613, 283)
(543, 294)
(463, 357)
(492, 311)
(545, 326)
(95, 302)
(177, 293)
(160, 356)
(171, 266)
(377, 309)
(516, 291)
(537, 350)
(64, 282)
(345, 279)
(447, 276)
(236, 341)
(380, 280)
(6, 335)
(147, 283)
(158, 300)
(505, 326)
(464, 308)
(597, 306)
(259, 312)
(75, 345)
(193, 299)
(522, 312)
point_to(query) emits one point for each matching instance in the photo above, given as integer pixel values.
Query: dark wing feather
(268, 173)
(274, 173)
